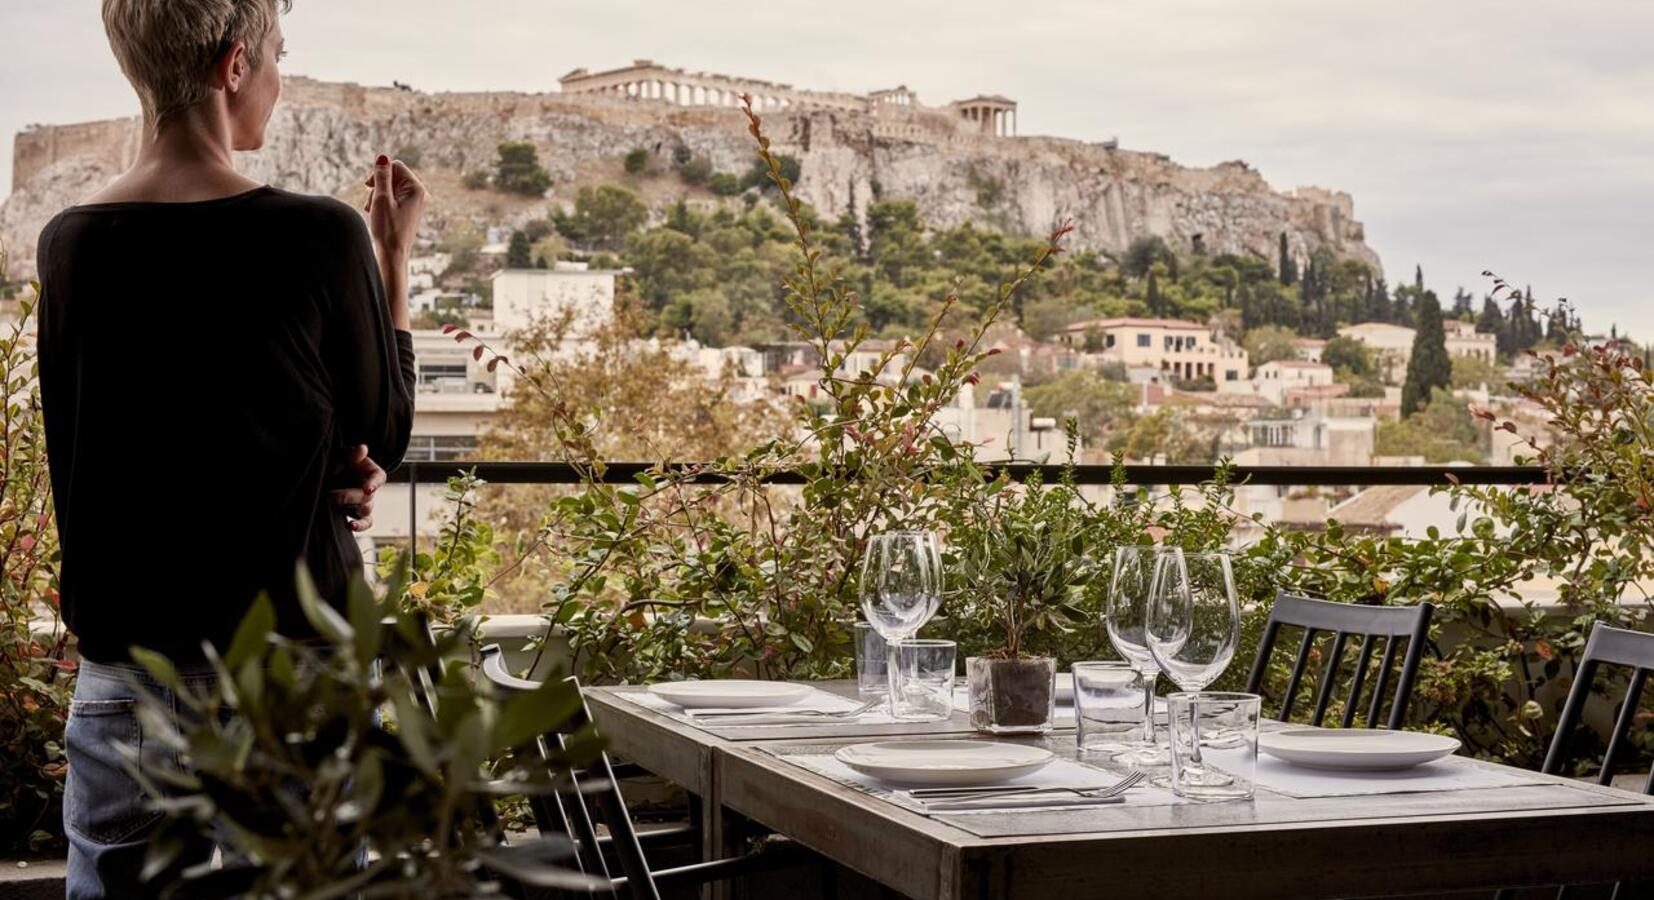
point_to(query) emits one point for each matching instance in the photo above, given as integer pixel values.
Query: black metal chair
(1615, 647)
(591, 796)
(1345, 620)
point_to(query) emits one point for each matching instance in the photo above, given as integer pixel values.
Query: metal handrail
(517, 472)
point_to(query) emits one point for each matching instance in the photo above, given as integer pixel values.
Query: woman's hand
(357, 503)
(394, 207)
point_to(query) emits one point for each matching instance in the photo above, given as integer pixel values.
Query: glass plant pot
(1012, 696)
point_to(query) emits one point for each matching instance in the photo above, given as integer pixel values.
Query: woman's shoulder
(321, 210)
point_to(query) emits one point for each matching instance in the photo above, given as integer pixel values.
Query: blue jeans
(104, 809)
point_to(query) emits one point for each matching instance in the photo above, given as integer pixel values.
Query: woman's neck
(184, 158)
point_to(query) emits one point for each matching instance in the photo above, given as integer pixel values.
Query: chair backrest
(1345, 620)
(1607, 646)
(569, 810)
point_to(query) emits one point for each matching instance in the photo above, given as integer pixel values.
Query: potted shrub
(1023, 567)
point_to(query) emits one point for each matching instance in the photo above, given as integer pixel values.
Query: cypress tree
(1378, 302)
(1288, 267)
(518, 254)
(1429, 366)
(1491, 320)
(1151, 294)
(1418, 276)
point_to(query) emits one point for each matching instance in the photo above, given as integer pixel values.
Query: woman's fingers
(361, 524)
(382, 189)
(407, 184)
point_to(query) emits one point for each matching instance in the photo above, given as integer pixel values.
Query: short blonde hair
(167, 48)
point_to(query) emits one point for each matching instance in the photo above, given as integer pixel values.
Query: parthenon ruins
(646, 80)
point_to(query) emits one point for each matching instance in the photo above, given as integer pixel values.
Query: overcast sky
(1516, 136)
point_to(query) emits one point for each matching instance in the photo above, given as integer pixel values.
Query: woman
(189, 313)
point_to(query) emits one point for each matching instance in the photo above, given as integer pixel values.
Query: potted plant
(1023, 567)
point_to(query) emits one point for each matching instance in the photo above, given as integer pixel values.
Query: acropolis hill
(960, 161)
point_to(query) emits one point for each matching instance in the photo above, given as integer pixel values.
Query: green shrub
(636, 161)
(724, 184)
(697, 170)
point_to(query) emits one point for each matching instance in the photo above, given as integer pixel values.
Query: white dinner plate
(729, 693)
(1355, 749)
(918, 763)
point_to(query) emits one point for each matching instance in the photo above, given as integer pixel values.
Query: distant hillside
(324, 136)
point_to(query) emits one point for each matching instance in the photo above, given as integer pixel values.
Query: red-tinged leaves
(477, 352)
(495, 362)
(449, 328)
(1451, 478)
(462, 336)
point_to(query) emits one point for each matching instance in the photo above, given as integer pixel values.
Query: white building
(585, 296)
(1275, 379)
(1392, 345)
(1184, 350)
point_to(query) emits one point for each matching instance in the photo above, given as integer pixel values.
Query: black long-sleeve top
(205, 369)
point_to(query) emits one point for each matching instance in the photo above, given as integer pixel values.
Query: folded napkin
(1012, 801)
(765, 715)
(1060, 773)
(1449, 774)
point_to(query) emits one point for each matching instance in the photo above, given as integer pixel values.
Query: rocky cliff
(324, 136)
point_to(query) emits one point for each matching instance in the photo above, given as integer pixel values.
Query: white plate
(917, 763)
(1355, 749)
(729, 693)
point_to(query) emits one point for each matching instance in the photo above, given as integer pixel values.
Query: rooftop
(1125, 322)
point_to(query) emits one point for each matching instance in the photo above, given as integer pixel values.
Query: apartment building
(586, 296)
(1184, 350)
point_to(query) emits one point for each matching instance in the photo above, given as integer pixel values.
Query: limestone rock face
(324, 136)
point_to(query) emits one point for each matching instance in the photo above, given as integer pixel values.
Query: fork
(810, 713)
(1103, 793)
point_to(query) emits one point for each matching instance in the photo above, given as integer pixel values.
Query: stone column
(1013, 122)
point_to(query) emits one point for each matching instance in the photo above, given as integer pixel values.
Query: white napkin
(1059, 773)
(1283, 777)
(1037, 801)
(817, 699)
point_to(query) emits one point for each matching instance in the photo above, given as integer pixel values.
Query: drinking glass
(921, 679)
(1193, 617)
(1126, 616)
(1214, 744)
(872, 676)
(1108, 707)
(901, 585)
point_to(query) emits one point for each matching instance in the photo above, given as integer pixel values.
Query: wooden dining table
(1544, 830)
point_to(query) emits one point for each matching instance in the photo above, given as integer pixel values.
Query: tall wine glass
(901, 587)
(1194, 620)
(1193, 617)
(1127, 616)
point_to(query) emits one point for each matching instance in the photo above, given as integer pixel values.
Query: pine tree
(1461, 304)
(1288, 270)
(519, 253)
(1429, 367)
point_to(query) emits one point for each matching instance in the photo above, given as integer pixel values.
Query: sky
(1515, 136)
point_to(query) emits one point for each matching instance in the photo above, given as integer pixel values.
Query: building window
(1230, 375)
(1144, 340)
(441, 447)
(1108, 341)
(432, 375)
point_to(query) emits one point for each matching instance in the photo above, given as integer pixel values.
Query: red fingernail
(384, 160)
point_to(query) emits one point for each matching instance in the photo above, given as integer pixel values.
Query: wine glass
(1193, 617)
(1193, 621)
(901, 586)
(1129, 593)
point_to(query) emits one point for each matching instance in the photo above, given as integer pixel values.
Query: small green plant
(1022, 554)
(311, 793)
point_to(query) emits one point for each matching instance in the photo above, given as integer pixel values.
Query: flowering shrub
(36, 680)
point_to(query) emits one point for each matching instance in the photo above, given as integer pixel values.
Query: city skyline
(1472, 138)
